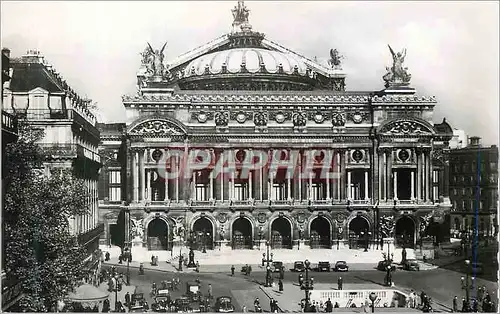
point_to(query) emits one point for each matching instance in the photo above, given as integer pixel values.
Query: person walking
(280, 285)
(232, 270)
(455, 304)
(127, 299)
(328, 306)
(340, 283)
(271, 305)
(210, 295)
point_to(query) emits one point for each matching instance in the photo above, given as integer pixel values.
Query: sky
(452, 47)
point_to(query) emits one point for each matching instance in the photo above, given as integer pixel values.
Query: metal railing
(69, 150)
(9, 122)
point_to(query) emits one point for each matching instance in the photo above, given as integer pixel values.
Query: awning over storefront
(88, 293)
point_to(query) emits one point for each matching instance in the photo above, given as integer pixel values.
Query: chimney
(475, 141)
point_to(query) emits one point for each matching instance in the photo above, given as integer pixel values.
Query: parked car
(341, 266)
(299, 266)
(382, 265)
(276, 267)
(324, 266)
(223, 305)
(411, 264)
(183, 304)
(138, 303)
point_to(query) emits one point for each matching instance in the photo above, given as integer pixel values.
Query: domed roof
(244, 60)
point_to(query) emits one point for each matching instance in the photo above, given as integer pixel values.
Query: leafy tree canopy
(39, 248)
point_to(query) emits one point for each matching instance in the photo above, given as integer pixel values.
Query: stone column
(310, 189)
(342, 179)
(419, 174)
(212, 187)
(136, 176)
(428, 173)
(366, 185)
(299, 185)
(381, 175)
(339, 175)
(349, 196)
(193, 188)
(231, 187)
(412, 184)
(143, 176)
(250, 184)
(177, 178)
(166, 184)
(261, 183)
(328, 184)
(389, 174)
(289, 188)
(148, 184)
(395, 186)
(270, 186)
(222, 176)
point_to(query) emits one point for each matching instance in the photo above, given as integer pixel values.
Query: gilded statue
(397, 74)
(335, 58)
(153, 60)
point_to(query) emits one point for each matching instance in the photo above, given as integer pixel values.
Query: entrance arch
(405, 232)
(157, 235)
(319, 233)
(281, 234)
(242, 234)
(358, 229)
(202, 235)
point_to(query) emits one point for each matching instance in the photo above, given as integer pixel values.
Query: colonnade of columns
(261, 183)
(87, 222)
(420, 175)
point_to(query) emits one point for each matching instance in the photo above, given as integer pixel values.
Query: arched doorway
(242, 234)
(359, 229)
(157, 235)
(405, 232)
(320, 233)
(202, 235)
(281, 234)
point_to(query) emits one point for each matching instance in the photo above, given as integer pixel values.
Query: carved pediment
(156, 128)
(407, 127)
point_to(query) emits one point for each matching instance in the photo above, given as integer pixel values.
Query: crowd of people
(481, 302)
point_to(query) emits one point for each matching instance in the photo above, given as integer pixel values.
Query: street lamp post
(126, 255)
(307, 285)
(339, 236)
(373, 297)
(261, 232)
(467, 284)
(268, 259)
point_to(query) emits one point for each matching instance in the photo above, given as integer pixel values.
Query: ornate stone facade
(378, 148)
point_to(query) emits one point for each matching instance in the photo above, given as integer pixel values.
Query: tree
(39, 249)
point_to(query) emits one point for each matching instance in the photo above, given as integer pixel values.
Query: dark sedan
(382, 265)
(324, 266)
(298, 266)
(341, 266)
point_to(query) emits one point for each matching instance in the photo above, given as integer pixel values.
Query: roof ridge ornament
(240, 15)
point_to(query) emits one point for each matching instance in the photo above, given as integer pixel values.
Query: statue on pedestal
(191, 263)
(153, 60)
(335, 59)
(397, 74)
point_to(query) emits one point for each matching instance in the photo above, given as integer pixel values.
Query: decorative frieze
(338, 119)
(156, 128)
(328, 99)
(202, 116)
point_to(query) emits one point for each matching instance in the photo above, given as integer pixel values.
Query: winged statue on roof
(397, 74)
(153, 60)
(335, 58)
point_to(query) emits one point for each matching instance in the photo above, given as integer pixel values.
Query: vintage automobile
(324, 266)
(298, 266)
(244, 268)
(382, 265)
(193, 292)
(276, 267)
(161, 301)
(411, 264)
(138, 303)
(341, 266)
(183, 304)
(223, 305)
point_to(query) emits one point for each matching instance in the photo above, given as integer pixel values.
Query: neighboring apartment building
(11, 288)
(474, 189)
(38, 94)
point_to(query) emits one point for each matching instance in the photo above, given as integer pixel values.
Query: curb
(270, 297)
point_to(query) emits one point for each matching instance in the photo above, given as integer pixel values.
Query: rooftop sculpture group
(397, 75)
(153, 60)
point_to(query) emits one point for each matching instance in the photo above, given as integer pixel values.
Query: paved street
(440, 284)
